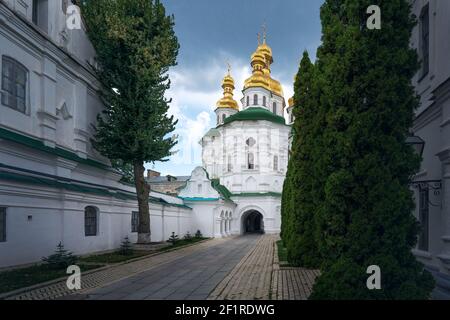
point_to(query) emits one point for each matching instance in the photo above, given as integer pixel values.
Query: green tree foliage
(298, 194)
(125, 169)
(61, 259)
(367, 102)
(126, 248)
(135, 45)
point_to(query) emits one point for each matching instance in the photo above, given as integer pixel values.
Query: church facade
(238, 188)
(56, 188)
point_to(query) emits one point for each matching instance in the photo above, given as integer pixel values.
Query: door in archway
(253, 222)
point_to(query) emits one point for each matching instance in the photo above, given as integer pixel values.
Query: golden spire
(261, 61)
(228, 86)
(264, 30)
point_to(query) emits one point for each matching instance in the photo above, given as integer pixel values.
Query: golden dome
(266, 51)
(260, 61)
(227, 101)
(291, 102)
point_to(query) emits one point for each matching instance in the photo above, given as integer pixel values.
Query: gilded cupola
(291, 102)
(261, 61)
(228, 87)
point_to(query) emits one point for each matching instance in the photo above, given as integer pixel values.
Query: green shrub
(126, 248)
(173, 239)
(61, 259)
(188, 236)
(198, 234)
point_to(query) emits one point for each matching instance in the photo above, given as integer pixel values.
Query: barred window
(134, 221)
(14, 84)
(230, 165)
(2, 224)
(90, 221)
(423, 218)
(275, 163)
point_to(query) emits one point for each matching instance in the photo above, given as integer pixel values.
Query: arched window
(248, 101)
(14, 84)
(230, 165)
(223, 118)
(90, 221)
(251, 161)
(264, 101)
(218, 119)
(255, 100)
(275, 163)
(200, 188)
(274, 107)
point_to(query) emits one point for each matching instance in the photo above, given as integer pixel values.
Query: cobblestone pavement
(293, 283)
(110, 275)
(251, 278)
(190, 277)
(240, 268)
(258, 276)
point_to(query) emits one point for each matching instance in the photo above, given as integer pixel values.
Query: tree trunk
(143, 194)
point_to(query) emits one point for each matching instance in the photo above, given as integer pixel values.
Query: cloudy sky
(212, 32)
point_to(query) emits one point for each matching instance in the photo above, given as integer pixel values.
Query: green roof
(221, 189)
(78, 186)
(39, 145)
(257, 194)
(253, 114)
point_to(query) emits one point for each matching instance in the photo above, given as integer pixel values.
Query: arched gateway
(252, 222)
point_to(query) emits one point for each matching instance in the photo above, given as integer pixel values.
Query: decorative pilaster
(47, 106)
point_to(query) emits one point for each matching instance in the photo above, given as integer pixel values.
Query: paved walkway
(258, 276)
(105, 277)
(251, 278)
(240, 268)
(191, 277)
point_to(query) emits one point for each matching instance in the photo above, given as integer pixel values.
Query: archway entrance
(252, 222)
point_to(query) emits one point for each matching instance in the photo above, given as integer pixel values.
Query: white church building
(238, 189)
(54, 187)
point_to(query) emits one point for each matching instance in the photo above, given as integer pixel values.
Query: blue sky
(212, 32)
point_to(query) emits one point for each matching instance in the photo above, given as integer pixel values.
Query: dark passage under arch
(253, 222)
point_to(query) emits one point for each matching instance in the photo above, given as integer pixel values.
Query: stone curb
(6, 295)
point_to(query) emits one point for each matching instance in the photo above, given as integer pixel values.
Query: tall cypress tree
(135, 45)
(368, 101)
(300, 242)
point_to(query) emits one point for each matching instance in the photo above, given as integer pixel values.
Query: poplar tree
(135, 45)
(368, 103)
(299, 207)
